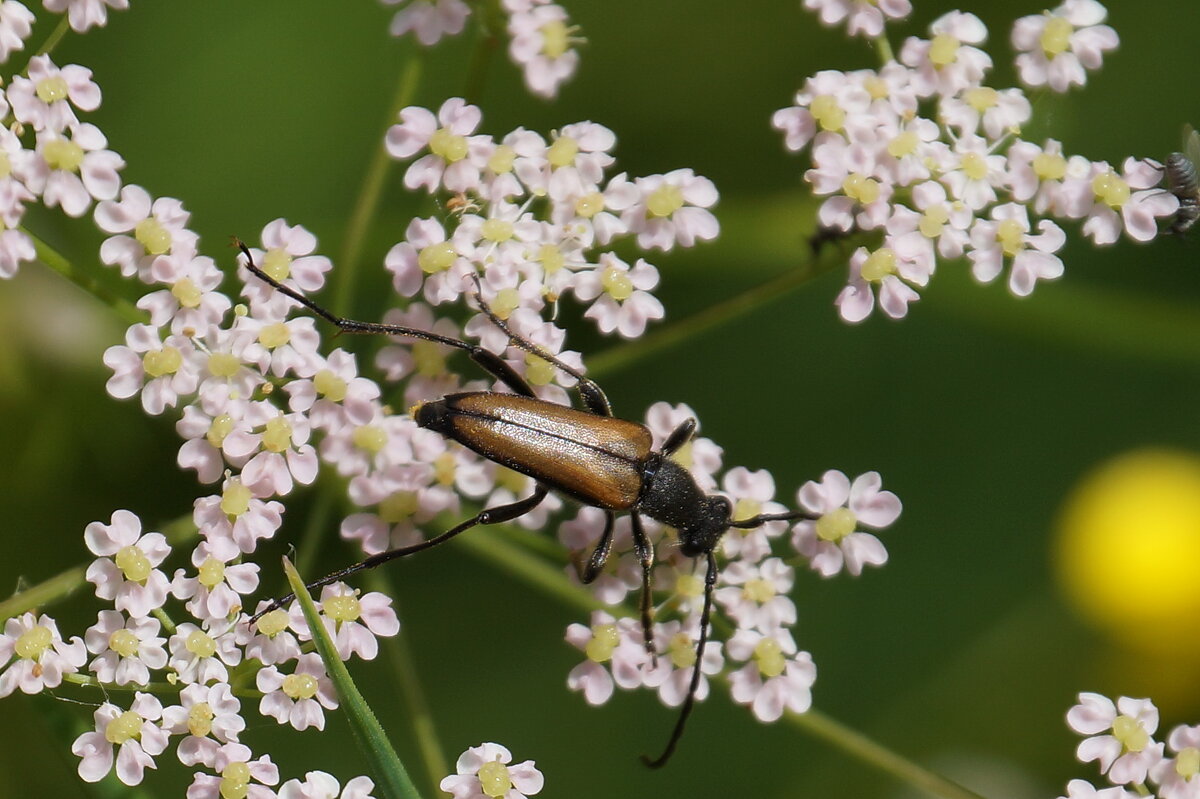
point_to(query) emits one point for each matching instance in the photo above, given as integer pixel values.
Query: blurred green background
(981, 411)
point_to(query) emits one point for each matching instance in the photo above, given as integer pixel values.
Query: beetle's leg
(710, 580)
(645, 554)
(492, 363)
(591, 394)
(600, 553)
(680, 436)
(501, 513)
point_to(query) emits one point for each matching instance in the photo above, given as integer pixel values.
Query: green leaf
(391, 777)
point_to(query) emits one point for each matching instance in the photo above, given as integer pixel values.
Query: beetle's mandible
(588, 455)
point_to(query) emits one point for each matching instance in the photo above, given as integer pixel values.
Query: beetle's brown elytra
(588, 455)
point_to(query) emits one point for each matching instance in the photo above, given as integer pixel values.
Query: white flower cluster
(541, 39)
(928, 155)
(765, 669)
(1121, 741)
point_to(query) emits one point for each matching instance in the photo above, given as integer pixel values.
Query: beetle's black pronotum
(588, 455)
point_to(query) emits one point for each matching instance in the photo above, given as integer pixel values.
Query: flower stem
(56, 35)
(126, 310)
(420, 719)
(884, 48)
(664, 338)
(868, 751)
(47, 592)
(89, 681)
(481, 60)
(367, 204)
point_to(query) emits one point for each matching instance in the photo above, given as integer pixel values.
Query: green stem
(868, 751)
(420, 719)
(56, 35)
(89, 681)
(367, 204)
(884, 48)
(47, 592)
(317, 527)
(477, 73)
(664, 338)
(126, 310)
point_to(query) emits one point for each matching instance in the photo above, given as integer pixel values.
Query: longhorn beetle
(589, 455)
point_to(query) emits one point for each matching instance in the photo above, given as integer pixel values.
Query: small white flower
(44, 100)
(1128, 751)
(1059, 46)
(483, 773)
(429, 19)
(137, 738)
(831, 542)
(297, 698)
(126, 649)
(85, 14)
(126, 570)
(34, 655)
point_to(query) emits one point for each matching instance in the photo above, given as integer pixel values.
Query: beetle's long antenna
(343, 324)
(710, 581)
(763, 518)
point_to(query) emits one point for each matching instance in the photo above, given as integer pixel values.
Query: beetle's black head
(711, 521)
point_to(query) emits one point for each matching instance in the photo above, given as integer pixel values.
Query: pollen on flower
(153, 237)
(759, 590)
(974, 166)
(166, 361)
(371, 438)
(1056, 36)
(125, 727)
(562, 152)
(1111, 189)
(444, 468)
(199, 719)
(981, 98)
(496, 230)
(201, 644)
(429, 358)
(187, 293)
(689, 586)
(943, 50)
(277, 263)
(220, 427)
(879, 265)
(933, 221)
(603, 643)
(665, 200)
(300, 686)
(539, 371)
(860, 188)
(746, 508)
(494, 779)
(123, 642)
(63, 155)
(211, 573)
(1130, 733)
(1011, 236)
(903, 144)
(617, 283)
(768, 655)
(52, 89)
(133, 563)
(556, 38)
(551, 257)
(277, 435)
(589, 204)
(235, 781)
(223, 364)
(273, 623)
(836, 525)
(1049, 166)
(681, 650)
(33, 642)
(398, 506)
(274, 335)
(826, 111)
(505, 302)
(876, 86)
(436, 257)
(501, 160)
(344, 607)
(1187, 762)
(449, 146)
(329, 385)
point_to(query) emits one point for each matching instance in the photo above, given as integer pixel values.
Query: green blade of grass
(391, 777)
